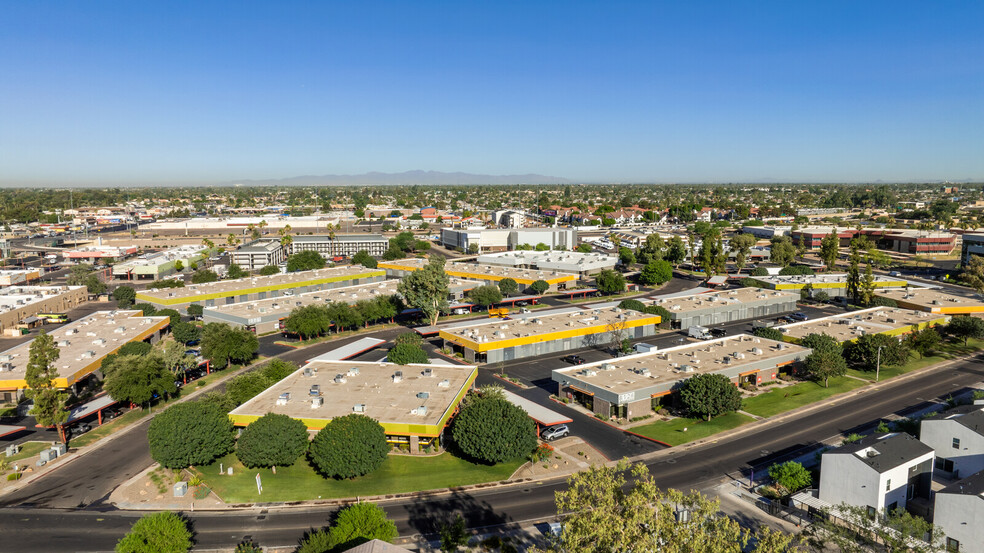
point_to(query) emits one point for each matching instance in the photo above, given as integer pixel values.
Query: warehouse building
(834, 284)
(259, 253)
(487, 274)
(891, 321)
(491, 341)
(82, 346)
(158, 265)
(225, 292)
(342, 244)
(582, 264)
(20, 305)
(500, 240)
(934, 300)
(636, 385)
(727, 306)
(13, 277)
(413, 403)
(266, 315)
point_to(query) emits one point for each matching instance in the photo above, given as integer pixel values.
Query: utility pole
(878, 363)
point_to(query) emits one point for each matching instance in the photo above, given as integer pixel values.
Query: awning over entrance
(350, 350)
(537, 412)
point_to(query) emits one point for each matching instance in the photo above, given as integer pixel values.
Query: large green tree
(973, 273)
(610, 282)
(124, 296)
(163, 532)
(829, 246)
(782, 252)
(186, 332)
(244, 387)
(273, 440)
(863, 352)
(676, 251)
(349, 446)
(138, 379)
(709, 395)
(222, 344)
(790, 476)
(485, 295)
(925, 341)
(406, 353)
(508, 286)
(308, 321)
(656, 272)
(363, 258)
(491, 429)
(539, 286)
(360, 523)
(966, 327)
(204, 276)
(427, 289)
(741, 245)
(49, 401)
(235, 271)
(606, 507)
(305, 261)
(192, 433)
(827, 359)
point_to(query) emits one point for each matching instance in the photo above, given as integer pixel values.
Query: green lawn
(28, 449)
(946, 352)
(781, 400)
(398, 474)
(672, 432)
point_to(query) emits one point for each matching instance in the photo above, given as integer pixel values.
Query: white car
(555, 432)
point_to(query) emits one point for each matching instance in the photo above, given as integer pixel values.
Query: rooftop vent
(444, 383)
(283, 398)
(63, 343)
(359, 408)
(315, 390)
(340, 379)
(428, 373)
(398, 376)
(309, 371)
(423, 395)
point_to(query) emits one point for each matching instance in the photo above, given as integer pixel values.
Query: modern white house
(958, 512)
(880, 472)
(957, 436)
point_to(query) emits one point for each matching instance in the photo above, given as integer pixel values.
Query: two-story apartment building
(957, 436)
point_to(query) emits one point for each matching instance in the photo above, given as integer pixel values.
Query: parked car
(522, 303)
(193, 343)
(573, 359)
(555, 432)
(195, 352)
(718, 333)
(798, 316)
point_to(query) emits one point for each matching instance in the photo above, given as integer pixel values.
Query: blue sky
(184, 92)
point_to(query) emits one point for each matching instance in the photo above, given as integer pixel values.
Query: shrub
(349, 446)
(187, 434)
(13, 476)
(272, 440)
(163, 532)
(492, 430)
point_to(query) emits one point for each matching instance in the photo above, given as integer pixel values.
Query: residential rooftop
(647, 370)
(82, 345)
(195, 292)
(884, 452)
(497, 333)
(934, 300)
(853, 325)
(710, 300)
(972, 485)
(969, 416)
(392, 394)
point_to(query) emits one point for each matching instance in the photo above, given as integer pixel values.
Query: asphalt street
(97, 527)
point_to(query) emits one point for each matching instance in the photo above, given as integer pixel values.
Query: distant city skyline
(636, 92)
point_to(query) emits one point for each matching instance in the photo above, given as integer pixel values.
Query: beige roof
(646, 370)
(371, 385)
(682, 304)
(223, 286)
(933, 299)
(82, 344)
(850, 326)
(490, 272)
(503, 330)
(18, 297)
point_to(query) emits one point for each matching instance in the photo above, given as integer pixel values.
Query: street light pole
(878, 363)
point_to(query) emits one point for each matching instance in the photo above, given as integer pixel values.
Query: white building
(568, 262)
(957, 436)
(500, 240)
(259, 253)
(880, 472)
(958, 512)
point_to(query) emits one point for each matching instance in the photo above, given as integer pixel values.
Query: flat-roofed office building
(259, 253)
(82, 346)
(582, 264)
(413, 403)
(342, 244)
(635, 385)
(19, 304)
(488, 274)
(727, 306)
(847, 327)
(834, 284)
(225, 292)
(533, 334)
(934, 300)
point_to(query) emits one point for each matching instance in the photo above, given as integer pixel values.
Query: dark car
(573, 359)
(718, 332)
(798, 316)
(193, 343)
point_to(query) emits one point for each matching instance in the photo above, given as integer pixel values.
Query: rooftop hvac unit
(419, 411)
(607, 366)
(353, 371)
(756, 351)
(283, 398)
(398, 376)
(70, 331)
(6, 357)
(315, 390)
(359, 408)
(428, 373)
(120, 329)
(687, 368)
(6, 366)
(340, 379)
(444, 383)
(308, 371)
(423, 395)
(727, 360)
(88, 354)
(63, 343)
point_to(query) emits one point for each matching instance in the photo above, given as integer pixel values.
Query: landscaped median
(397, 474)
(682, 430)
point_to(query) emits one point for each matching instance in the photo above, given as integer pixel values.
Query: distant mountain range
(405, 178)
